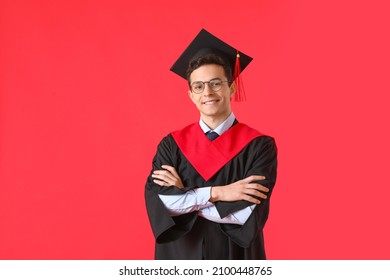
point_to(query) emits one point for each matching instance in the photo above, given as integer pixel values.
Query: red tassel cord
(240, 92)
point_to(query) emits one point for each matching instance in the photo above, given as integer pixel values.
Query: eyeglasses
(214, 84)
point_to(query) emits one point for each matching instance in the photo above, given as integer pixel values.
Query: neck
(213, 122)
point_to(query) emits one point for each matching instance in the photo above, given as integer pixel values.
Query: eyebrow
(208, 80)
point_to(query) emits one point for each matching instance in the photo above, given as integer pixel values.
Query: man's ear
(233, 89)
(190, 96)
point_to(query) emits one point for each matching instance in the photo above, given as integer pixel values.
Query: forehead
(207, 72)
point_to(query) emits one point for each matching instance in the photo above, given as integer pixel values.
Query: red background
(86, 95)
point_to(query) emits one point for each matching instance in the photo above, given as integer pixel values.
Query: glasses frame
(204, 85)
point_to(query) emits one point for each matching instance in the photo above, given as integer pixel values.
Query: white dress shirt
(198, 199)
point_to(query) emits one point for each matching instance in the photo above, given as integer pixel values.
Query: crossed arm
(199, 200)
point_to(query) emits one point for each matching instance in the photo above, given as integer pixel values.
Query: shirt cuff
(203, 196)
(243, 215)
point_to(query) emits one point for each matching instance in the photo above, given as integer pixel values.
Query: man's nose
(207, 89)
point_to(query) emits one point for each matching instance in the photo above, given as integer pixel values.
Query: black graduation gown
(189, 236)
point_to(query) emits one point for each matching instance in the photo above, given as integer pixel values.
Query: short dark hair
(209, 58)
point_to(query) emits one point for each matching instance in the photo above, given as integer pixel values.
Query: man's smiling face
(212, 105)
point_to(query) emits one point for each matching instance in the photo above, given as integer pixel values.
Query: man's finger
(164, 173)
(255, 193)
(161, 183)
(161, 172)
(253, 178)
(164, 177)
(259, 187)
(251, 199)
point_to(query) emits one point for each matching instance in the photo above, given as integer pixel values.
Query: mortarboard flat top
(205, 40)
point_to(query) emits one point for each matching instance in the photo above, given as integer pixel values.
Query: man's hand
(167, 177)
(240, 190)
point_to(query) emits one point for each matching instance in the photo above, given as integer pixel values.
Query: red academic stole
(208, 157)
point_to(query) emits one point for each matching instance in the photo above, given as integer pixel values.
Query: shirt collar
(222, 128)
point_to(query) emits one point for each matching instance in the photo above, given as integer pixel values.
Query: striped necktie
(212, 135)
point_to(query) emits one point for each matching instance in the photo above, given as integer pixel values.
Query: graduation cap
(205, 43)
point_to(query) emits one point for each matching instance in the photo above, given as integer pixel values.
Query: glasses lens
(215, 84)
(197, 87)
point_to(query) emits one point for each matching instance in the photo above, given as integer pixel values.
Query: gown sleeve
(165, 228)
(263, 161)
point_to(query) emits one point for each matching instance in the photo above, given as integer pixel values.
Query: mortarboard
(205, 42)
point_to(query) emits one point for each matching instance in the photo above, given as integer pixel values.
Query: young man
(207, 196)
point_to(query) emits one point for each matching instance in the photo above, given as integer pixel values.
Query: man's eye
(216, 83)
(197, 86)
